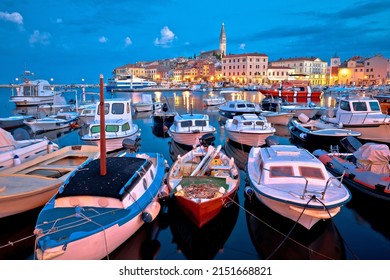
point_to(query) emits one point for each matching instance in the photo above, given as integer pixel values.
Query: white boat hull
(32, 100)
(308, 218)
(112, 143)
(27, 149)
(254, 139)
(190, 139)
(99, 245)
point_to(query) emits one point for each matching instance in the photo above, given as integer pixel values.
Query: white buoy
(17, 160)
(50, 147)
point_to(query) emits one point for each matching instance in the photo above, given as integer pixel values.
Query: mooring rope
(281, 233)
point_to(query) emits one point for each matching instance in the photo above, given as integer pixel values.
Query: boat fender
(151, 211)
(380, 187)
(163, 195)
(16, 160)
(234, 173)
(222, 190)
(50, 147)
(248, 192)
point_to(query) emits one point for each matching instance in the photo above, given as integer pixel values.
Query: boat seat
(221, 167)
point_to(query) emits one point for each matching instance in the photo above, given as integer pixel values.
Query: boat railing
(340, 180)
(358, 116)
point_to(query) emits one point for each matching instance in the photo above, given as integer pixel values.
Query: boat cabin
(118, 117)
(286, 164)
(359, 110)
(247, 121)
(191, 122)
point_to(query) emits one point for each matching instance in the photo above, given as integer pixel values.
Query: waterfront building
(130, 69)
(245, 68)
(277, 74)
(308, 68)
(360, 71)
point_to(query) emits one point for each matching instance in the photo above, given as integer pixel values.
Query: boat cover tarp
(373, 157)
(88, 181)
(7, 141)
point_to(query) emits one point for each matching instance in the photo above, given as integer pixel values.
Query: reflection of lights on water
(158, 95)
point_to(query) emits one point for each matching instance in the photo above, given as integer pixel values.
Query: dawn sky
(71, 40)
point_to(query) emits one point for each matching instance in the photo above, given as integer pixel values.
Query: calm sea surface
(247, 230)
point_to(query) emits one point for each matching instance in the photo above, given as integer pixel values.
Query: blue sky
(71, 40)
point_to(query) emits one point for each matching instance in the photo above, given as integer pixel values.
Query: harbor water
(245, 230)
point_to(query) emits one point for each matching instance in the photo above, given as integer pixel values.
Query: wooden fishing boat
(31, 184)
(203, 181)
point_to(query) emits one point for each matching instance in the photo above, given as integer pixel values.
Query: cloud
(103, 40)
(39, 38)
(128, 42)
(166, 39)
(14, 17)
(242, 46)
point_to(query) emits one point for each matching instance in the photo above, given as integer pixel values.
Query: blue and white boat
(128, 83)
(92, 215)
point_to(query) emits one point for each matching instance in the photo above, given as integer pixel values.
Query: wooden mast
(103, 169)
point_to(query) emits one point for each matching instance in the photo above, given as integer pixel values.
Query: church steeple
(222, 41)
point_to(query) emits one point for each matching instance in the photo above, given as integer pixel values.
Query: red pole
(103, 170)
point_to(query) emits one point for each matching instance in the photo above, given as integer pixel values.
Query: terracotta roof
(245, 54)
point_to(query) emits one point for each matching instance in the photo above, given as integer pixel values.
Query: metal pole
(103, 170)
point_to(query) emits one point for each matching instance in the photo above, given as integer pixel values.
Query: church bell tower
(222, 41)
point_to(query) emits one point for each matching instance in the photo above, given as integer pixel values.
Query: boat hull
(247, 138)
(190, 139)
(28, 150)
(32, 101)
(306, 217)
(31, 184)
(202, 212)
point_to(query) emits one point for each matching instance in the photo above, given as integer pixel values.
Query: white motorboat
(147, 104)
(14, 121)
(53, 122)
(238, 107)
(187, 129)
(118, 123)
(294, 183)
(213, 100)
(249, 129)
(32, 92)
(128, 83)
(14, 152)
(362, 114)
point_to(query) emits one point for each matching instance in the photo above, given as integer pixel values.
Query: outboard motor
(350, 144)
(207, 140)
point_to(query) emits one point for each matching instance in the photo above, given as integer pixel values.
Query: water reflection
(16, 235)
(268, 231)
(206, 242)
